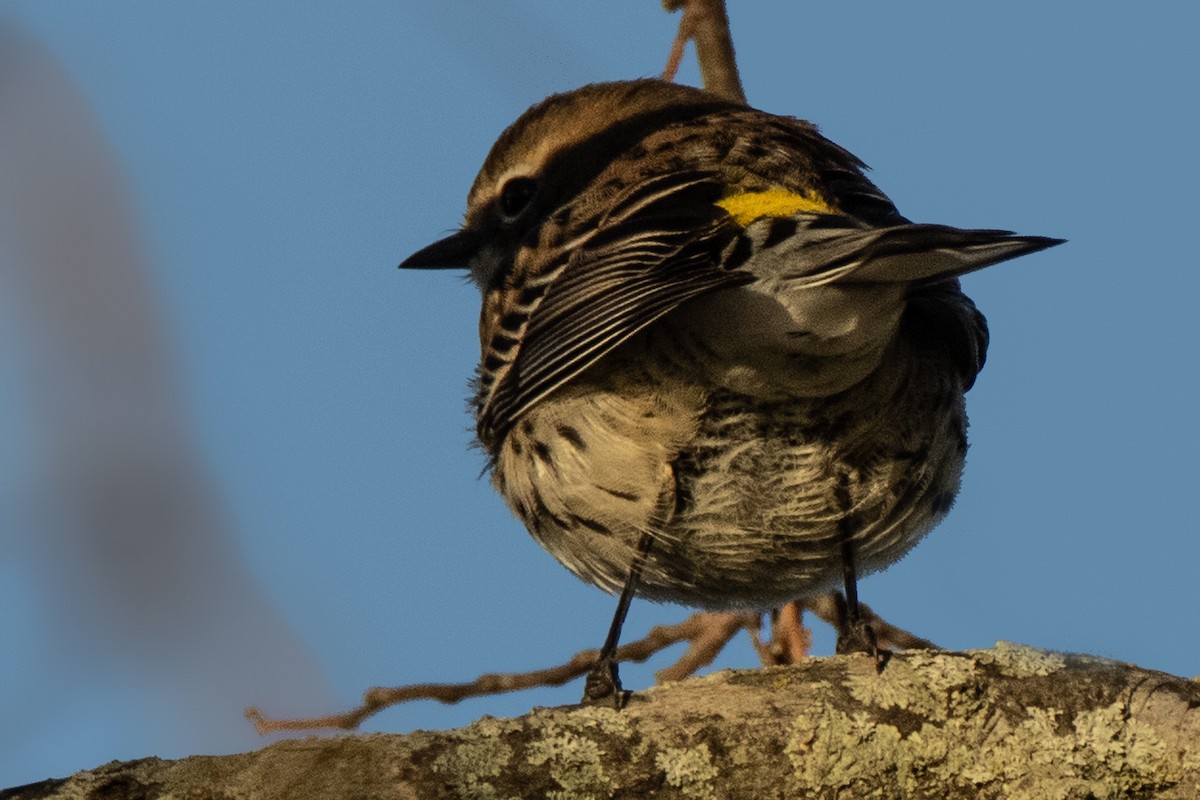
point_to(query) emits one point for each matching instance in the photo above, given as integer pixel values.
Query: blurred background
(235, 462)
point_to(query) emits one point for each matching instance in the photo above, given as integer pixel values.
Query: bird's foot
(603, 686)
(857, 636)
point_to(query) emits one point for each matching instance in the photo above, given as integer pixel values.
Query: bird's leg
(855, 635)
(603, 683)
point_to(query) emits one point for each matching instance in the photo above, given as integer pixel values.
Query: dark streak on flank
(941, 503)
(590, 524)
(632, 497)
(542, 451)
(512, 321)
(572, 436)
(544, 513)
(502, 342)
(531, 293)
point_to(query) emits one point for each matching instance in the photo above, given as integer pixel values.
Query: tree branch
(706, 23)
(707, 633)
(1009, 722)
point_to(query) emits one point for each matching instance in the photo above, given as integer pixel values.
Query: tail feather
(824, 248)
(912, 253)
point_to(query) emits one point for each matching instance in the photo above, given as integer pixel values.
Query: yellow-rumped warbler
(718, 366)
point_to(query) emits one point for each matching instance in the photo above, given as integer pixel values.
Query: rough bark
(1009, 722)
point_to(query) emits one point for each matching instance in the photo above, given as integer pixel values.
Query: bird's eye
(515, 197)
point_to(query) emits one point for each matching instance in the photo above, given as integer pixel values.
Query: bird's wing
(658, 247)
(798, 254)
(670, 239)
(817, 249)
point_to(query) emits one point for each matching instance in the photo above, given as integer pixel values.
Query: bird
(718, 367)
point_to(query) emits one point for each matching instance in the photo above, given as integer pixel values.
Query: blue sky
(276, 160)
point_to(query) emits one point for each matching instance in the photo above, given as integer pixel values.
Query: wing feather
(657, 249)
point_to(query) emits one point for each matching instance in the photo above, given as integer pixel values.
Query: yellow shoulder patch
(745, 207)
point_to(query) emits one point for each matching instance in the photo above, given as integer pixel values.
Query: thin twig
(825, 607)
(790, 637)
(708, 632)
(675, 57)
(706, 23)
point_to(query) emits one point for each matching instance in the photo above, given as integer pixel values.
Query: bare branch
(791, 640)
(827, 608)
(1006, 722)
(707, 632)
(710, 633)
(675, 57)
(706, 23)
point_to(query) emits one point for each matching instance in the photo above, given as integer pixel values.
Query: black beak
(453, 252)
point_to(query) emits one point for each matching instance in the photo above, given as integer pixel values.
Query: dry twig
(708, 634)
(706, 23)
(830, 607)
